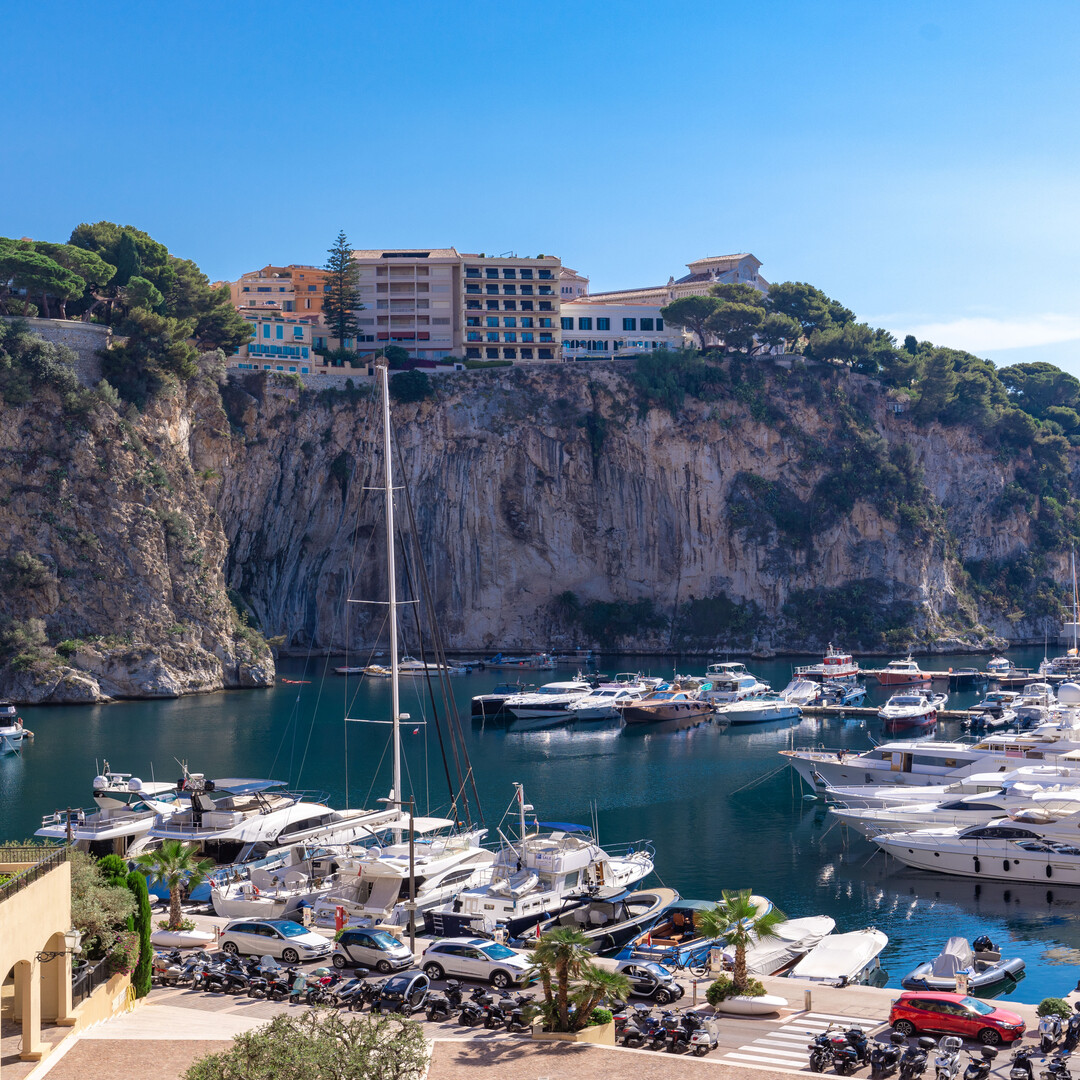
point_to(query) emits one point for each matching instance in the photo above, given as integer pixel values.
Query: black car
(651, 980)
(405, 993)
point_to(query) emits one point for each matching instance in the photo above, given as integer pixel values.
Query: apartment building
(704, 273)
(281, 288)
(594, 330)
(572, 284)
(281, 341)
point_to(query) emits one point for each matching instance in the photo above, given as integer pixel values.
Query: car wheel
(230, 947)
(383, 967)
(433, 971)
(290, 956)
(339, 961)
(904, 1027)
(500, 979)
(990, 1037)
(662, 997)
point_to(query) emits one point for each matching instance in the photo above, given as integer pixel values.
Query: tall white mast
(384, 384)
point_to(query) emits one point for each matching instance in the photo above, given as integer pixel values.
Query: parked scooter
(1021, 1068)
(658, 1039)
(368, 994)
(885, 1057)
(515, 1020)
(634, 1025)
(915, 1057)
(1057, 1068)
(1050, 1027)
(704, 1033)
(1072, 1031)
(850, 1049)
(475, 1009)
(979, 1067)
(947, 1059)
(821, 1054)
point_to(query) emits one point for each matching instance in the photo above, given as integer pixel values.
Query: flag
(537, 931)
(416, 731)
(648, 939)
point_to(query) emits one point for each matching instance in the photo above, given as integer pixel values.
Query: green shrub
(1055, 1006)
(599, 1016)
(114, 868)
(724, 987)
(410, 386)
(123, 956)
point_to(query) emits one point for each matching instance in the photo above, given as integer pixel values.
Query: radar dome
(101, 783)
(134, 784)
(1069, 693)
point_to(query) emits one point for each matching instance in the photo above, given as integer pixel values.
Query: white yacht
(602, 703)
(12, 732)
(731, 682)
(125, 808)
(1036, 703)
(759, 710)
(843, 959)
(802, 691)
(1037, 845)
(551, 699)
(546, 871)
(410, 666)
(911, 708)
(789, 941)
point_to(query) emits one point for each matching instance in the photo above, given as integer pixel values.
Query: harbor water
(719, 805)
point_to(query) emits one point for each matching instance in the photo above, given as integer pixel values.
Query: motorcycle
(635, 1025)
(1049, 1032)
(323, 990)
(947, 1059)
(913, 1062)
(1072, 1031)
(1021, 1068)
(1057, 1068)
(885, 1057)
(850, 1049)
(821, 1054)
(344, 991)
(496, 1014)
(658, 1039)
(704, 1033)
(980, 1069)
(368, 994)
(475, 1009)
(515, 1020)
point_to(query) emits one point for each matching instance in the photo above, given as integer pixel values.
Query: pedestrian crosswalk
(785, 1046)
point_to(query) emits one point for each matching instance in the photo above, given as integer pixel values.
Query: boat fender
(1005, 864)
(254, 890)
(977, 866)
(1049, 870)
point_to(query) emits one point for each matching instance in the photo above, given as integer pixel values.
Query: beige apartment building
(704, 273)
(292, 288)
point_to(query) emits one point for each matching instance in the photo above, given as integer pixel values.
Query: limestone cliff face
(528, 483)
(112, 557)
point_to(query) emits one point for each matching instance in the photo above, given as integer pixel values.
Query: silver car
(280, 938)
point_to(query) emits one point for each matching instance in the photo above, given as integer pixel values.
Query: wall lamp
(72, 944)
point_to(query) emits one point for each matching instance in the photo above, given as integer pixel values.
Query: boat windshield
(975, 1005)
(495, 951)
(906, 701)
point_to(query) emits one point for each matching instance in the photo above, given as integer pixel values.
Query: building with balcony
(594, 330)
(704, 274)
(281, 342)
(293, 288)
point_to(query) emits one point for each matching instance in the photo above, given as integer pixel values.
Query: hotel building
(704, 274)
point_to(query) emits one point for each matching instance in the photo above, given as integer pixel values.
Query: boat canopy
(956, 956)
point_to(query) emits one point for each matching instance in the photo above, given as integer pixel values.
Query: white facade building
(594, 330)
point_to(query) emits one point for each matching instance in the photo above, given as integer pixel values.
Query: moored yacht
(834, 665)
(681, 700)
(12, 732)
(551, 699)
(901, 673)
(759, 710)
(911, 709)
(732, 682)
(602, 703)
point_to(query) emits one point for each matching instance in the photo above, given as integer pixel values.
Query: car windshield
(289, 929)
(655, 970)
(977, 1006)
(384, 940)
(398, 983)
(495, 951)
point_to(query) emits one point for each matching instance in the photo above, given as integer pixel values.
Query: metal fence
(87, 979)
(53, 859)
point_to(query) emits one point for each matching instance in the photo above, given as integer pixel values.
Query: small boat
(842, 692)
(911, 709)
(12, 732)
(834, 665)
(802, 692)
(901, 673)
(409, 666)
(672, 703)
(986, 971)
(965, 678)
(759, 710)
(535, 662)
(790, 941)
(843, 959)
(182, 939)
(612, 917)
(677, 934)
(350, 669)
(487, 706)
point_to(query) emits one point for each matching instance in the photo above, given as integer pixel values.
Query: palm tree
(174, 864)
(598, 984)
(738, 920)
(560, 955)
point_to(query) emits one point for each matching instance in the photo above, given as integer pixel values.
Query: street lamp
(72, 944)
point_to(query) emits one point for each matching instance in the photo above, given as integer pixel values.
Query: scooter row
(674, 1031)
(847, 1050)
(1052, 1028)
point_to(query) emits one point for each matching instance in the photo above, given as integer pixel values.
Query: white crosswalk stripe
(786, 1045)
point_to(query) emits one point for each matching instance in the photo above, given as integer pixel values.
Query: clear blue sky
(918, 161)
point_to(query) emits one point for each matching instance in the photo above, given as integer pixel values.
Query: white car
(280, 938)
(476, 958)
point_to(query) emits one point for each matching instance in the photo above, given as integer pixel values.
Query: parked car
(405, 993)
(476, 958)
(279, 938)
(651, 981)
(956, 1014)
(372, 949)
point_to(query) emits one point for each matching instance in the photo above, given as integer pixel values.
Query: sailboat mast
(395, 704)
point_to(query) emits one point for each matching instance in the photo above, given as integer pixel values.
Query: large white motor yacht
(731, 682)
(551, 699)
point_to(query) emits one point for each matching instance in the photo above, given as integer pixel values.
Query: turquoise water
(717, 804)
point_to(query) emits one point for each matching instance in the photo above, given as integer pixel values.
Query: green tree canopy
(341, 301)
(735, 325)
(176, 865)
(139, 292)
(38, 274)
(1037, 387)
(809, 306)
(691, 313)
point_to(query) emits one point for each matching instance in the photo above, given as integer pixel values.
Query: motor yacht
(732, 682)
(843, 959)
(550, 700)
(602, 703)
(412, 667)
(681, 700)
(802, 691)
(842, 692)
(550, 868)
(12, 732)
(1036, 703)
(911, 709)
(492, 704)
(125, 809)
(834, 665)
(759, 710)
(901, 673)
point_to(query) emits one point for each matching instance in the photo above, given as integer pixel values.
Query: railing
(86, 980)
(16, 884)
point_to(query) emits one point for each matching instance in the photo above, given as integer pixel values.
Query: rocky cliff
(552, 508)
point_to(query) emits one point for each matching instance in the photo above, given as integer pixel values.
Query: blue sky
(917, 161)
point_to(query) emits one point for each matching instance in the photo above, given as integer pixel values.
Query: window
(492, 305)
(510, 354)
(510, 321)
(492, 336)
(629, 324)
(509, 305)
(526, 354)
(472, 271)
(543, 322)
(472, 354)
(472, 305)
(492, 320)
(659, 324)
(266, 331)
(472, 290)
(510, 290)
(472, 320)
(527, 336)
(546, 337)
(262, 288)
(297, 331)
(584, 324)
(509, 273)
(567, 324)
(603, 324)
(545, 275)
(526, 321)
(491, 290)
(472, 335)
(646, 324)
(544, 354)
(526, 305)
(526, 290)
(509, 337)
(492, 354)
(545, 305)
(526, 275)
(311, 288)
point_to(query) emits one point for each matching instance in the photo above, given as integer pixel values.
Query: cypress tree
(140, 978)
(342, 300)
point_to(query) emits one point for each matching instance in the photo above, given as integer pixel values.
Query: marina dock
(871, 711)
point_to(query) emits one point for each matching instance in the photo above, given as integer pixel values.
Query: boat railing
(637, 847)
(81, 819)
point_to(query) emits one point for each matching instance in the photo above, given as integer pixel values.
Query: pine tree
(342, 300)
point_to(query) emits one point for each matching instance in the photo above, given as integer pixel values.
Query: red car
(955, 1014)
